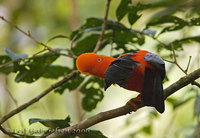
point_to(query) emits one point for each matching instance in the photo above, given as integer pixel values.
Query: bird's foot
(136, 103)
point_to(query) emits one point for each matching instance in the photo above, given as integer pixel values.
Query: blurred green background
(48, 18)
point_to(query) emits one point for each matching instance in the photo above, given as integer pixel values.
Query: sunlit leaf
(33, 69)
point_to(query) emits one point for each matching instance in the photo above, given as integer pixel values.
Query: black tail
(152, 92)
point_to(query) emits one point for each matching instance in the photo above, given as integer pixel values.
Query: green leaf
(133, 13)
(14, 56)
(173, 23)
(52, 123)
(178, 44)
(125, 7)
(122, 9)
(195, 21)
(6, 69)
(197, 106)
(186, 40)
(70, 85)
(54, 71)
(58, 36)
(167, 19)
(4, 59)
(133, 17)
(93, 93)
(92, 24)
(86, 44)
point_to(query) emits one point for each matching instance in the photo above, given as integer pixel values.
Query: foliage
(168, 17)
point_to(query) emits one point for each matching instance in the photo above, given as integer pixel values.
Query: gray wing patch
(155, 60)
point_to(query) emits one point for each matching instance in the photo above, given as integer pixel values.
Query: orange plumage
(93, 64)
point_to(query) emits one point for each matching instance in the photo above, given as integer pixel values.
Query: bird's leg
(136, 103)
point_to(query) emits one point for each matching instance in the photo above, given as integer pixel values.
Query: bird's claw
(136, 103)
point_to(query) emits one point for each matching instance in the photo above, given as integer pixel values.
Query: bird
(140, 71)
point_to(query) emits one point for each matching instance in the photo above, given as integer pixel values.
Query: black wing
(152, 92)
(119, 70)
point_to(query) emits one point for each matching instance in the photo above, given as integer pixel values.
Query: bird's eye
(99, 59)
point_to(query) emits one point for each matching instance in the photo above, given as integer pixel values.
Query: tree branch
(103, 27)
(28, 34)
(37, 98)
(11, 134)
(100, 117)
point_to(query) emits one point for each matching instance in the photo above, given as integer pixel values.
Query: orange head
(93, 64)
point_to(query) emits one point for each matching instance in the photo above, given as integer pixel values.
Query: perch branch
(100, 117)
(37, 98)
(103, 27)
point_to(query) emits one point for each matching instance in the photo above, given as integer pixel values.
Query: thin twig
(16, 105)
(28, 34)
(175, 60)
(169, 61)
(98, 45)
(11, 134)
(196, 83)
(184, 71)
(100, 117)
(37, 98)
(174, 56)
